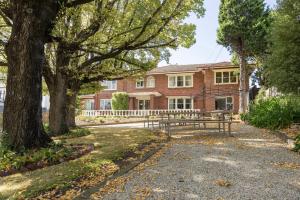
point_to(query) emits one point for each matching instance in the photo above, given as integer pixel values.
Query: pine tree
(282, 67)
(242, 29)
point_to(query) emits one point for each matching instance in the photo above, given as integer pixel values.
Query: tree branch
(75, 3)
(3, 64)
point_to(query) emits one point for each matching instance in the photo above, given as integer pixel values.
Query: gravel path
(251, 165)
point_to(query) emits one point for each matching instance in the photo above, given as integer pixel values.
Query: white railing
(132, 113)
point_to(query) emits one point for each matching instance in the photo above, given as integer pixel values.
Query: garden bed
(11, 163)
(111, 147)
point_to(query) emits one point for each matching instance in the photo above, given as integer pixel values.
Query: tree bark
(58, 122)
(22, 117)
(71, 107)
(243, 88)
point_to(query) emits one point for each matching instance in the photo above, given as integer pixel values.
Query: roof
(189, 68)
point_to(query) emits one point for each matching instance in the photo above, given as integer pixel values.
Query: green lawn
(110, 145)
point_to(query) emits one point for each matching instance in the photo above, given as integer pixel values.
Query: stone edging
(123, 170)
(281, 135)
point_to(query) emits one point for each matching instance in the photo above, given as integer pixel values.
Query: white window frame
(184, 81)
(140, 80)
(150, 79)
(225, 70)
(105, 100)
(184, 102)
(105, 83)
(225, 97)
(92, 101)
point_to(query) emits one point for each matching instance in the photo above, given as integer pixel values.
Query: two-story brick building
(207, 87)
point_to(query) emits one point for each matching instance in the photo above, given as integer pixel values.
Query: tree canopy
(282, 68)
(242, 30)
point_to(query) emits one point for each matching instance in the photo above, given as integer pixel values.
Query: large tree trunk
(58, 122)
(22, 118)
(71, 107)
(58, 106)
(243, 90)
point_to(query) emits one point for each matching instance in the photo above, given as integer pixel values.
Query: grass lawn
(111, 144)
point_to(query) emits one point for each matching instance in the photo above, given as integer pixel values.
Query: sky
(206, 49)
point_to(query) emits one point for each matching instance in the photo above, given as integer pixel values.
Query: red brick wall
(212, 91)
(204, 91)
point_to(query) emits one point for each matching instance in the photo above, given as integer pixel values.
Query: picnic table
(195, 119)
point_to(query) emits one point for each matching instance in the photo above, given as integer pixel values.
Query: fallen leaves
(115, 185)
(141, 193)
(222, 183)
(287, 165)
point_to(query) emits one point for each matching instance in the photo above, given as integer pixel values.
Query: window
(109, 85)
(224, 103)
(180, 81)
(180, 103)
(225, 77)
(139, 83)
(150, 82)
(144, 104)
(89, 104)
(105, 104)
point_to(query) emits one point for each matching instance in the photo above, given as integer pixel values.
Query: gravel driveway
(251, 165)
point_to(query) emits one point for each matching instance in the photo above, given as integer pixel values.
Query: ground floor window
(105, 104)
(144, 104)
(224, 103)
(89, 104)
(180, 103)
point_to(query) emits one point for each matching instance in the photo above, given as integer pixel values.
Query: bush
(120, 101)
(10, 160)
(297, 144)
(273, 113)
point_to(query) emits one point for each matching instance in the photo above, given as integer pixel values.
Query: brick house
(207, 87)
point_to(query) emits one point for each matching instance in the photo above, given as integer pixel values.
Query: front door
(144, 104)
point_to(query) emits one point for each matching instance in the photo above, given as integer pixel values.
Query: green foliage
(10, 160)
(243, 24)
(78, 132)
(297, 144)
(120, 101)
(273, 113)
(282, 65)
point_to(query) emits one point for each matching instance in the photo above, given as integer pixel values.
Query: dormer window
(140, 83)
(150, 82)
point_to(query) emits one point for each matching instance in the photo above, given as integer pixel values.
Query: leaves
(222, 183)
(243, 22)
(281, 68)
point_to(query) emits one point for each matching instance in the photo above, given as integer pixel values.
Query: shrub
(120, 101)
(273, 113)
(297, 144)
(10, 160)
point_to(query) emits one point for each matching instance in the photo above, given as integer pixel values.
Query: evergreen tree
(282, 67)
(242, 29)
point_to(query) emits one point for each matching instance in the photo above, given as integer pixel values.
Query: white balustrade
(133, 113)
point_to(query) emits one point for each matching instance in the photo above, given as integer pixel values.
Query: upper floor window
(109, 85)
(226, 77)
(175, 81)
(140, 83)
(150, 82)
